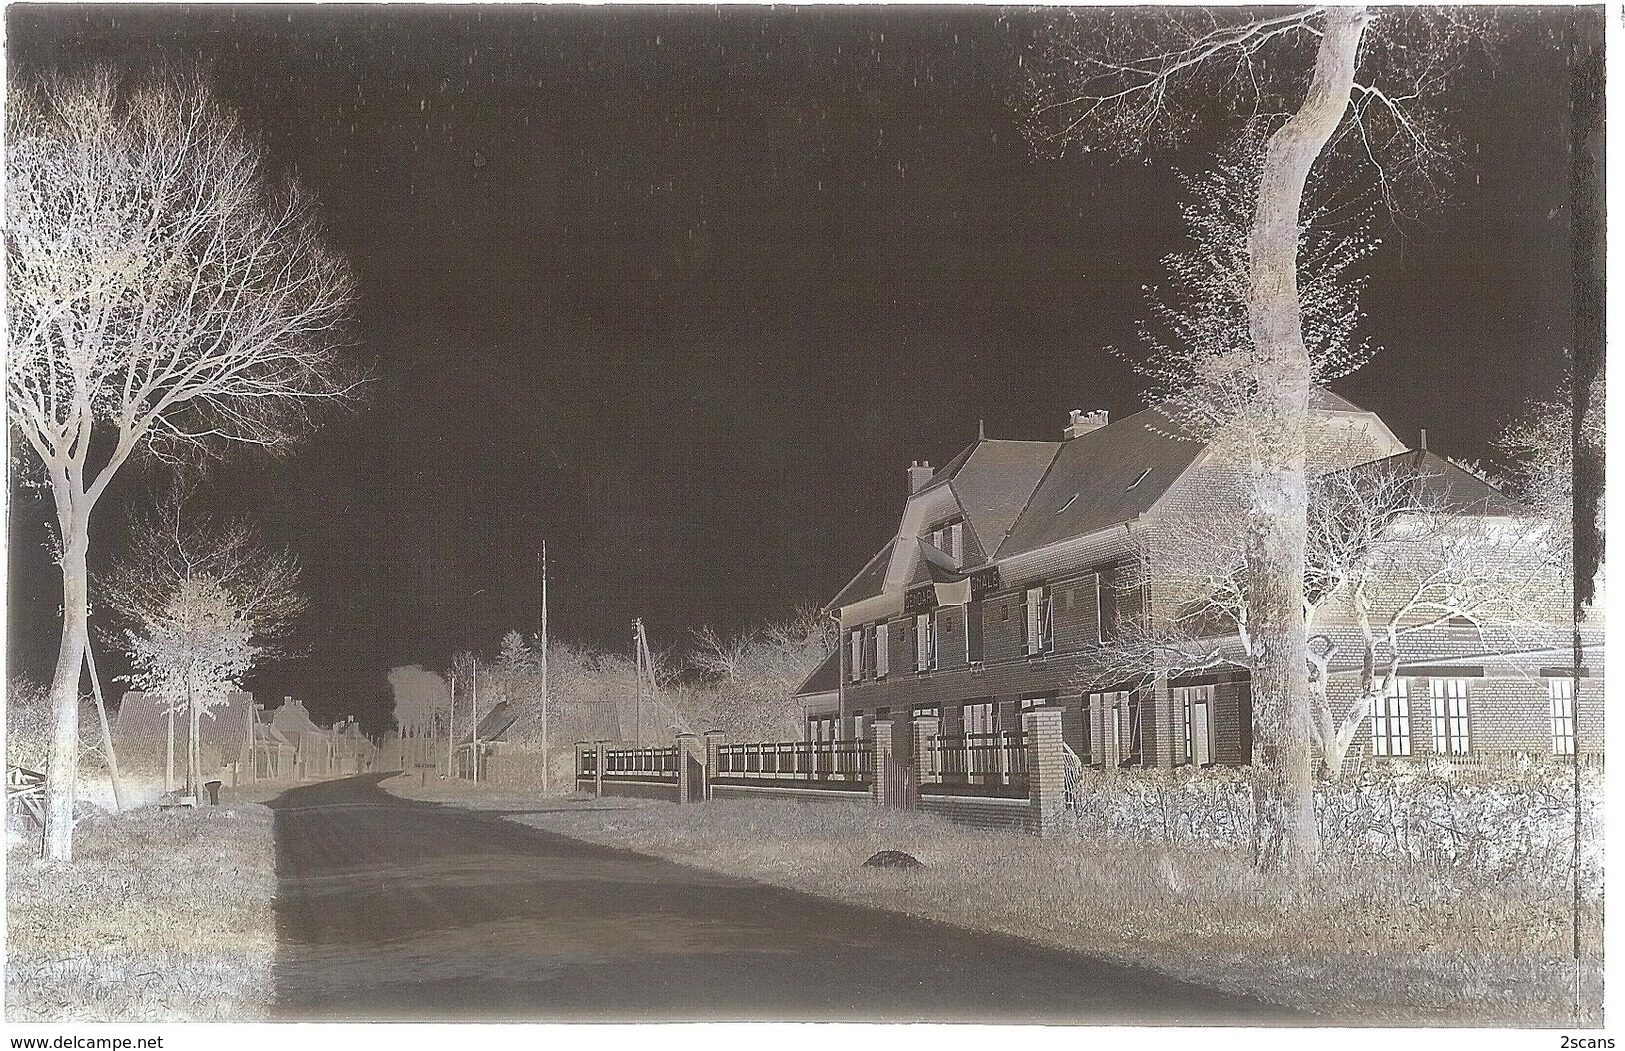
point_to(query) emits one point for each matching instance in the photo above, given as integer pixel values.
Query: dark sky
(684, 291)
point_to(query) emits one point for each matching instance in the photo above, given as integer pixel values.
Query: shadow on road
(392, 909)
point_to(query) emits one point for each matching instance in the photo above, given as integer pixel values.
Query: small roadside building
(151, 740)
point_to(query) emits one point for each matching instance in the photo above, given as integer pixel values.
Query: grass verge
(164, 915)
(1362, 944)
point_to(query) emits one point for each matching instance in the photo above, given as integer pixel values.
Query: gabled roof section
(869, 581)
(142, 723)
(826, 678)
(494, 723)
(292, 719)
(996, 481)
(1440, 484)
(1325, 401)
(1103, 478)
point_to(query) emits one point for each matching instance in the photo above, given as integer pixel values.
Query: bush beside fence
(1515, 819)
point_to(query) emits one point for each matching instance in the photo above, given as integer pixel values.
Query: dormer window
(949, 538)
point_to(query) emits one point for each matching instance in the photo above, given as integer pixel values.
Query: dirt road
(393, 909)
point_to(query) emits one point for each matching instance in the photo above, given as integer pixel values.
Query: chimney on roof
(919, 475)
(1424, 439)
(1082, 423)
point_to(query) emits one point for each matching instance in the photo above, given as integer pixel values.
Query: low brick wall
(798, 792)
(666, 790)
(985, 812)
(515, 769)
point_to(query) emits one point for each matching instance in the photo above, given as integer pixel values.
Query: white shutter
(1034, 611)
(1114, 739)
(882, 649)
(1201, 728)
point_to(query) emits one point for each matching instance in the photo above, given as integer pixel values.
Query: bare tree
(748, 678)
(163, 296)
(1128, 80)
(205, 605)
(1389, 560)
(1546, 451)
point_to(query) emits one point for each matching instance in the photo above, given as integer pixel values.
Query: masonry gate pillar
(686, 774)
(880, 744)
(714, 740)
(1046, 770)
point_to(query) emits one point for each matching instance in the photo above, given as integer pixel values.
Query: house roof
(292, 719)
(1439, 483)
(1324, 400)
(494, 723)
(142, 724)
(1019, 496)
(1103, 478)
(826, 678)
(869, 580)
(994, 483)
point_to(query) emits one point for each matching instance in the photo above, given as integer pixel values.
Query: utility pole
(474, 720)
(451, 729)
(543, 640)
(637, 679)
(169, 754)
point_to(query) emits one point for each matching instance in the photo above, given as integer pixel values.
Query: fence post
(881, 743)
(925, 757)
(1046, 770)
(598, 771)
(685, 778)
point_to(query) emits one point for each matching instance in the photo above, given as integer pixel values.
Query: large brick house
(1017, 565)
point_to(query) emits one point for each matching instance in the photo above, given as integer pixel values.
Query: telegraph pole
(637, 678)
(543, 639)
(451, 730)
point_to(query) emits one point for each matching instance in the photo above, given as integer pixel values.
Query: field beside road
(1355, 944)
(164, 915)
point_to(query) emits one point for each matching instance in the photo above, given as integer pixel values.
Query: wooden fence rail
(846, 761)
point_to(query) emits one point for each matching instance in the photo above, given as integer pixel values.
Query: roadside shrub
(1514, 820)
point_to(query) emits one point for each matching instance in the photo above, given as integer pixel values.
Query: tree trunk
(1278, 528)
(193, 777)
(62, 771)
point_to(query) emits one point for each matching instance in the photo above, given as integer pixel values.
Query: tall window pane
(1449, 716)
(1562, 694)
(1391, 721)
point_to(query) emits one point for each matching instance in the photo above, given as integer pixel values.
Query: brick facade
(1131, 491)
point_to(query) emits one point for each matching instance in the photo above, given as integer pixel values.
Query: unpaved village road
(393, 909)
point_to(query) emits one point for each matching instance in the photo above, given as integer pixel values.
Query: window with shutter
(882, 649)
(925, 642)
(1197, 702)
(1131, 746)
(856, 656)
(1038, 622)
(980, 718)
